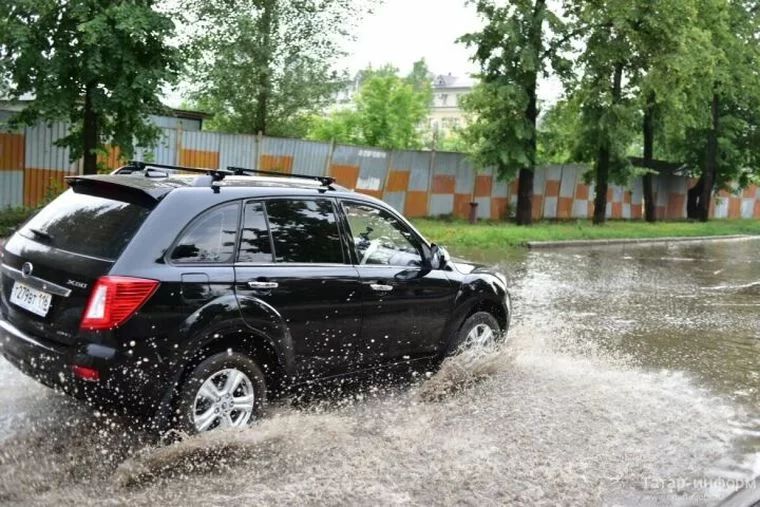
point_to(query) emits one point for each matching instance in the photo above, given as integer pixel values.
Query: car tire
(227, 389)
(479, 330)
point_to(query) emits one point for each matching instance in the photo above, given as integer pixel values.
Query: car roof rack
(149, 170)
(325, 181)
(145, 168)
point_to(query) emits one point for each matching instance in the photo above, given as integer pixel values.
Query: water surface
(630, 378)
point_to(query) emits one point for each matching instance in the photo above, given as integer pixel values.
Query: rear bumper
(121, 383)
(45, 363)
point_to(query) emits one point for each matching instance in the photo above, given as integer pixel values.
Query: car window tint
(86, 224)
(211, 238)
(304, 231)
(380, 238)
(255, 244)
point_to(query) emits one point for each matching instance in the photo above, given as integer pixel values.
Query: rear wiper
(42, 234)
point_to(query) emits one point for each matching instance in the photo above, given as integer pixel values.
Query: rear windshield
(86, 225)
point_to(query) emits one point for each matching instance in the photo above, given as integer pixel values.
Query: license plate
(34, 300)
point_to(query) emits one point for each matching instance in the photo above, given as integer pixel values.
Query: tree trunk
(602, 185)
(694, 195)
(650, 209)
(711, 162)
(604, 156)
(524, 215)
(266, 26)
(90, 133)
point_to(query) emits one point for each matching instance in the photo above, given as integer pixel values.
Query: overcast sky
(401, 32)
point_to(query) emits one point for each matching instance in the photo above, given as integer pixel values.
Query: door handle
(377, 287)
(263, 285)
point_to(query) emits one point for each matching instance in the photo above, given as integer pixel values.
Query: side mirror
(439, 257)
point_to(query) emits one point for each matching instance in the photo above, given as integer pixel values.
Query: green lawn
(498, 234)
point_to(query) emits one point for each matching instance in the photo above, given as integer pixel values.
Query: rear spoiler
(121, 189)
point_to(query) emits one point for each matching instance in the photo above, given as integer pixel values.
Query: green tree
(100, 64)
(558, 134)
(638, 59)
(671, 56)
(730, 110)
(421, 78)
(604, 90)
(268, 65)
(387, 113)
(521, 42)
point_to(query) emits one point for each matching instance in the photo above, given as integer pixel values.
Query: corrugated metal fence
(417, 183)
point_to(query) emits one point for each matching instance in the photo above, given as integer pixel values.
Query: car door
(405, 305)
(203, 256)
(293, 259)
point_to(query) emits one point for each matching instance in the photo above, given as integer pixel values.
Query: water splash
(463, 371)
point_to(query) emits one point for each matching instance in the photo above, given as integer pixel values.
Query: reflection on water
(630, 378)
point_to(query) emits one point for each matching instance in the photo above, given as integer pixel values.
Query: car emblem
(26, 269)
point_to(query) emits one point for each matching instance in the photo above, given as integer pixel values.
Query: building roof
(449, 81)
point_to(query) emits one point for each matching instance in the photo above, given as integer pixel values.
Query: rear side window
(210, 238)
(255, 244)
(305, 231)
(86, 224)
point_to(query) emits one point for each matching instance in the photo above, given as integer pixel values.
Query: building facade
(446, 113)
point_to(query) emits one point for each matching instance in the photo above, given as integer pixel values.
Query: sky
(401, 32)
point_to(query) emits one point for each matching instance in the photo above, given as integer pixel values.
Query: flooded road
(630, 378)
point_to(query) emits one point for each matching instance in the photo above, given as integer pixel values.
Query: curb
(633, 241)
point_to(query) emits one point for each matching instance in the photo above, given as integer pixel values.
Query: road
(630, 378)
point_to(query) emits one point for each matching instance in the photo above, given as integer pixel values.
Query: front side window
(304, 231)
(380, 238)
(210, 239)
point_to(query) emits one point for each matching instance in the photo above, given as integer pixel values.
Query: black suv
(190, 298)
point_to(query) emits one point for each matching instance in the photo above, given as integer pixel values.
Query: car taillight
(114, 299)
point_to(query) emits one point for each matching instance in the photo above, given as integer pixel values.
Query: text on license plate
(34, 300)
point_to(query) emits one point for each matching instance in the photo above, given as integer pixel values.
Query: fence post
(430, 182)
(559, 194)
(257, 149)
(219, 151)
(328, 162)
(178, 147)
(388, 170)
(473, 216)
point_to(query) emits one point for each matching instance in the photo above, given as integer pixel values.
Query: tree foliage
(640, 63)
(521, 42)
(558, 134)
(672, 80)
(387, 111)
(720, 142)
(99, 64)
(267, 65)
